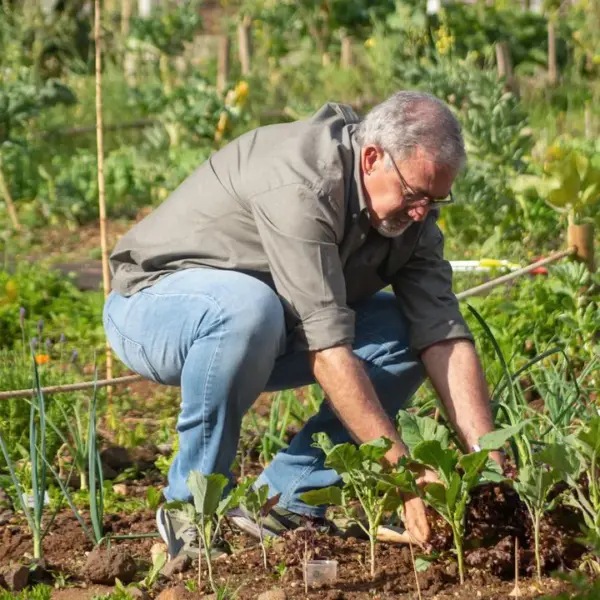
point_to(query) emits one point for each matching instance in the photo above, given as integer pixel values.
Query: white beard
(391, 229)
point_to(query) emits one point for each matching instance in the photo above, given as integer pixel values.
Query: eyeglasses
(414, 199)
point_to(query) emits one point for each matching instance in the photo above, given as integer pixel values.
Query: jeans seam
(213, 359)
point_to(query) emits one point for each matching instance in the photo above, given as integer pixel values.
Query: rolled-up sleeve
(423, 287)
(299, 232)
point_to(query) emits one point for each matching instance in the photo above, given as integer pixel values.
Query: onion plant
(37, 455)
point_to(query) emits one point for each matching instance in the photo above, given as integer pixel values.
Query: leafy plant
(451, 495)
(535, 483)
(257, 502)
(207, 511)
(584, 455)
(365, 479)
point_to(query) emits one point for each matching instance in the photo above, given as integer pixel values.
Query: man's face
(397, 197)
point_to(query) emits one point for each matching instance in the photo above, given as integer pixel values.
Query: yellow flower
(221, 126)
(41, 359)
(242, 90)
(596, 59)
(369, 43)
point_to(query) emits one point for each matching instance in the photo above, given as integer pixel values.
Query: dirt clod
(117, 458)
(105, 565)
(177, 565)
(16, 578)
(178, 592)
(274, 594)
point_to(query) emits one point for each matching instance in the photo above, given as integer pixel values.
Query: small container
(321, 572)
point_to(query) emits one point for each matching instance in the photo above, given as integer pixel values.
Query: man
(263, 271)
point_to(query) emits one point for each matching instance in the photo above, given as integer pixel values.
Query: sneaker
(180, 537)
(277, 522)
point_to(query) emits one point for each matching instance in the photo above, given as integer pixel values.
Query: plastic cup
(321, 572)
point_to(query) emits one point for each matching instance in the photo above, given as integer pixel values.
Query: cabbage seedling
(364, 480)
(208, 510)
(451, 496)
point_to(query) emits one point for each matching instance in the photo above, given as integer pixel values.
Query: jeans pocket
(131, 353)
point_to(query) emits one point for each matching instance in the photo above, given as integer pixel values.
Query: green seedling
(37, 457)
(534, 484)
(415, 429)
(365, 480)
(258, 504)
(583, 448)
(451, 495)
(207, 511)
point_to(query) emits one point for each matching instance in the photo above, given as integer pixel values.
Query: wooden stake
(582, 238)
(223, 61)
(504, 64)
(101, 190)
(245, 44)
(516, 592)
(347, 58)
(552, 62)
(10, 205)
(412, 556)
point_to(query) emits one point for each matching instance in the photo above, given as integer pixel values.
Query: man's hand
(415, 520)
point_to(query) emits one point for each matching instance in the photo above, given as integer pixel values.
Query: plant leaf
(415, 429)
(328, 495)
(432, 454)
(496, 439)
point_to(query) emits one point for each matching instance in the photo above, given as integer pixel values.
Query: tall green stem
(536, 535)
(458, 544)
(37, 544)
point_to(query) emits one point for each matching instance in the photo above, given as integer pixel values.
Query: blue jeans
(221, 336)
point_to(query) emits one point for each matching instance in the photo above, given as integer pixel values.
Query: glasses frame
(408, 193)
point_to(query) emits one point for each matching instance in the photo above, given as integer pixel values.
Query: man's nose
(418, 213)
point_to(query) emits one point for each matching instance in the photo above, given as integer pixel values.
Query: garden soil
(495, 519)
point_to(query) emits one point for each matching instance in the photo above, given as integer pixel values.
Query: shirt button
(354, 217)
(362, 236)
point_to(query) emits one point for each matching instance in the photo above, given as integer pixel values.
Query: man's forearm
(353, 398)
(457, 376)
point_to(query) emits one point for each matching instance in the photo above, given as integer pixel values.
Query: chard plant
(366, 480)
(207, 512)
(450, 497)
(534, 484)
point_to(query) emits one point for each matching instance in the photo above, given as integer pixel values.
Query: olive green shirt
(285, 203)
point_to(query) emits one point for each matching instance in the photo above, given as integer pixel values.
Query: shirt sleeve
(300, 230)
(423, 287)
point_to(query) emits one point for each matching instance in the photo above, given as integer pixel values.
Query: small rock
(137, 593)
(178, 565)
(145, 456)
(5, 517)
(117, 458)
(105, 565)
(176, 593)
(274, 594)
(16, 578)
(165, 449)
(335, 595)
(120, 489)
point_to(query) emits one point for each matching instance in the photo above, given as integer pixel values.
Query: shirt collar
(358, 202)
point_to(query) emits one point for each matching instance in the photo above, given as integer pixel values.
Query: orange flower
(41, 359)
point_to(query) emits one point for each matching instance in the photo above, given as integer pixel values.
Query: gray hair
(410, 120)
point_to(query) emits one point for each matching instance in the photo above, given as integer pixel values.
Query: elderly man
(263, 271)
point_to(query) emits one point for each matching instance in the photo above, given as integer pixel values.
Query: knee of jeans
(260, 322)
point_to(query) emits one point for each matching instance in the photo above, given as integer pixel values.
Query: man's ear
(371, 158)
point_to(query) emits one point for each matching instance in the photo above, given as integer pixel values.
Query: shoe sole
(250, 527)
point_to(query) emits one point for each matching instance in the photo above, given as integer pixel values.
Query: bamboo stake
(71, 387)
(245, 43)
(10, 205)
(484, 287)
(223, 63)
(552, 61)
(101, 190)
